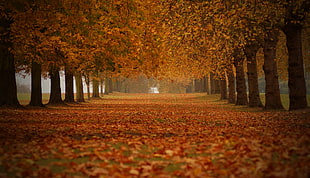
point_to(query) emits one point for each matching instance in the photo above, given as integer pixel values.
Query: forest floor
(154, 135)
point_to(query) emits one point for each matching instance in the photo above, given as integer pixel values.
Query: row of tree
(177, 40)
(219, 37)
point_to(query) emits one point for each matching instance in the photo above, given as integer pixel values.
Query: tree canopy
(179, 40)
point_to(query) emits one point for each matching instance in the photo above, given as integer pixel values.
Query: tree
(8, 90)
(296, 12)
(55, 96)
(231, 85)
(241, 98)
(36, 86)
(95, 88)
(223, 89)
(273, 100)
(69, 95)
(79, 88)
(250, 52)
(87, 81)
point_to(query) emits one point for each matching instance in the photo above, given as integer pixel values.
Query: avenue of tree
(210, 45)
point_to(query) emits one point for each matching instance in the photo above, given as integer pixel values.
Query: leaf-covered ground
(161, 135)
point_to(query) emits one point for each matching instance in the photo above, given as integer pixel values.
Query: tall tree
(79, 88)
(36, 86)
(69, 95)
(106, 86)
(8, 90)
(241, 98)
(250, 52)
(296, 12)
(55, 96)
(223, 89)
(95, 88)
(231, 85)
(273, 100)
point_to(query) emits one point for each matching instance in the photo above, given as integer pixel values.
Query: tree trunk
(87, 81)
(95, 88)
(296, 81)
(207, 84)
(110, 85)
(55, 96)
(79, 88)
(273, 100)
(118, 85)
(215, 84)
(8, 90)
(250, 52)
(212, 83)
(101, 87)
(69, 96)
(36, 86)
(106, 86)
(231, 86)
(240, 80)
(204, 84)
(223, 89)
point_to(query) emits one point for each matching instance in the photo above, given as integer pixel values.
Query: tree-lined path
(162, 135)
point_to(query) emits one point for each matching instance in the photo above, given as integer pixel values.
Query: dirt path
(163, 135)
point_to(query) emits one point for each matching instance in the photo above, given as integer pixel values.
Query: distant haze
(23, 82)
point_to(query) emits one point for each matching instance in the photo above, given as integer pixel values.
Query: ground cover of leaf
(160, 135)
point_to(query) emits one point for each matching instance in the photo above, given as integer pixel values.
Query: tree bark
(207, 85)
(79, 88)
(273, 100)
(87, 81)
(36, 86)
(110, 85)
(212, 83)
(101, 86)
(8, 89)
(254, 98)
(95, 88)
(69, 96)
(240, 79)
(106, 86)
(296, 81)
(231, 86)
(215, 84)
(223, 89)
(55, 96)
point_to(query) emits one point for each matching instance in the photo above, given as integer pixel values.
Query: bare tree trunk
(215, 84)
(55, 96)
(296, 81)
(273, 100)
(36, 86)
(87, 81)
(207, 85)
(95, 88)
(250, 52)
(69, 96)
(110, 85)
(240, 79)
(79, 88)
(8, 89)
(223, 89)
(106, 86)
(231, 86)
(101, 86)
